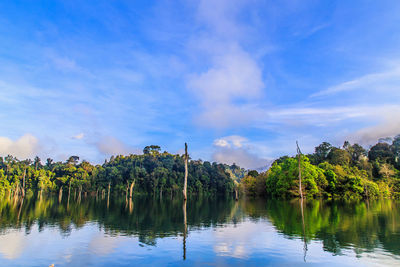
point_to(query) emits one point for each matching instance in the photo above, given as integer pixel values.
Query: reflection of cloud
(103, 245)
(12, 245)
(236, 241)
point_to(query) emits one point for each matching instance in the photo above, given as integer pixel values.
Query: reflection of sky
(246, 243)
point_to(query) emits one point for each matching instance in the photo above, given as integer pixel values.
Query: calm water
(218, 231)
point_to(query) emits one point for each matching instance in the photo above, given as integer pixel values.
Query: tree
(26, 163)
(322, 151)
(253, 173)
(153, 150)
(339, 156)
(73, 160)
(49, 163)
(386, 171)
(381, 152)
(37, 163)
(282, 178)
(357, 152)
(249, 185)
(395, 147)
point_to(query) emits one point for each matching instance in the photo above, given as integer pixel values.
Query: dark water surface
(212, 231)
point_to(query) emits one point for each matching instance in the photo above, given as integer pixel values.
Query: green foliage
(322, 151)
(282, 178)
(341, 173)
(329, 172)
(339, 156)
(153, 172)
(381, 152)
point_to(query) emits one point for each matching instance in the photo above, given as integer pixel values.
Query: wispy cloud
(233, 78)
(197, 71)
(226, 87)
(386, 124)
(374, 81)
(109, 145)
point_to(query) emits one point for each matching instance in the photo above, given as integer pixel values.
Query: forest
(349, 172)
(152, 172)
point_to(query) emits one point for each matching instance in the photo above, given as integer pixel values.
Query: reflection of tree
(144, 217)
(337, 224)
(184, 228)
(304, 228)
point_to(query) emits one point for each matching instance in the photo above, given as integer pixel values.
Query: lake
(209, 231)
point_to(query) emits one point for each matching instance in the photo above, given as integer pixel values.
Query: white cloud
(228, 88)
(228, 141)
(387, 125)
(236, 149)
(382, 120)
(26, 146)
(79, 136)
(109, 145)
(232, 84)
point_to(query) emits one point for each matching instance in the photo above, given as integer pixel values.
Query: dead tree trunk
(23, 183)
(80, 194)
(60, 194)
(16, 193)
(186, 157)
(130, 205)
(236, 184)
(131, 189)
(299, 159)
(108, 195)
(69, 189)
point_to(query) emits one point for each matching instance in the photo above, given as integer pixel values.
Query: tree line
(349, 172)
(152, 172)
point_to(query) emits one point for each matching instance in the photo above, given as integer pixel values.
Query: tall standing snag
(301, 202)
(299, 158)
(186, 157)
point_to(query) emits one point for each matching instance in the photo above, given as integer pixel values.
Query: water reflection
(363, 227)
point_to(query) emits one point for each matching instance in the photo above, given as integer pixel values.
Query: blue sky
(240, 81)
